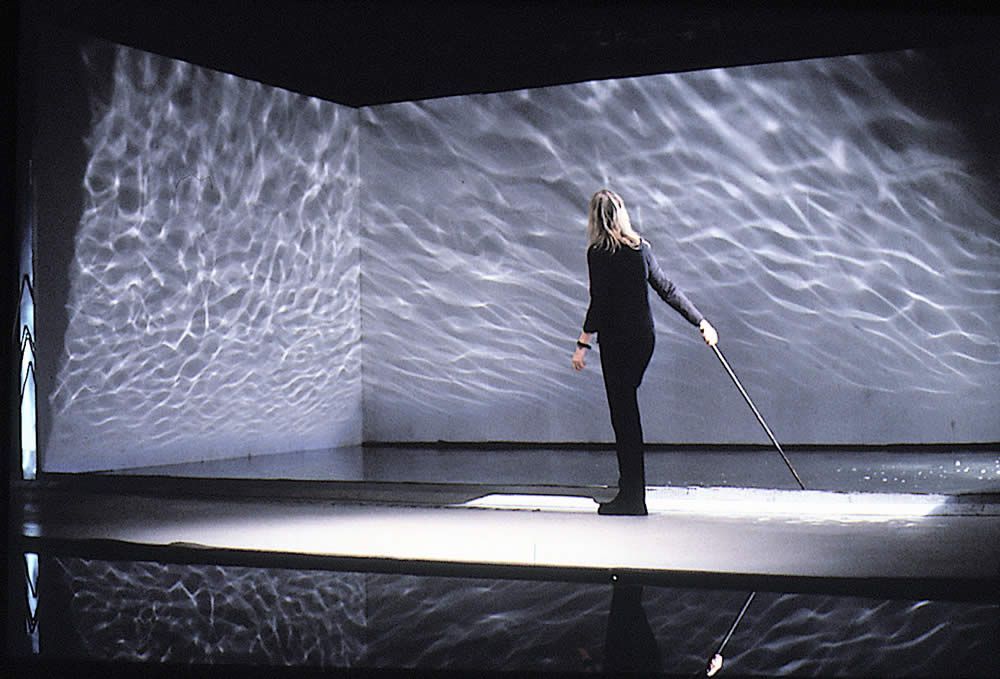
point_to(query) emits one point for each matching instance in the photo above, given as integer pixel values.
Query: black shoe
(623, 506)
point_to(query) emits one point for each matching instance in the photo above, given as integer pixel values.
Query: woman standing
(620, 264)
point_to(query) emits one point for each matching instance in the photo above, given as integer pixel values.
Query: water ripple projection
(214, 300)
(830, 216)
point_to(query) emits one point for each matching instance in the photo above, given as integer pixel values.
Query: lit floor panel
(761, 504)
(723, 531)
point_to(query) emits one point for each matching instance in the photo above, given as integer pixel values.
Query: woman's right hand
(578, 359)
(708, 333)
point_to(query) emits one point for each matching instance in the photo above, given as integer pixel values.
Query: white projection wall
(826, 215)
(212, 304)
(217, 259)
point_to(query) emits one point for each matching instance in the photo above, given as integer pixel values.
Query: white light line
(757, 503)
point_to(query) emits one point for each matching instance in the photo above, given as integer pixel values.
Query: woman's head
(608, 225)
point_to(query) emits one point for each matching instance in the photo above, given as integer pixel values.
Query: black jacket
(619, 303)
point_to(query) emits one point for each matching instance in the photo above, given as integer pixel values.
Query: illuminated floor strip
(705, 530)
(752, 502)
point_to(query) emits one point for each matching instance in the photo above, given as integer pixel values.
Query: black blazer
(619, 301)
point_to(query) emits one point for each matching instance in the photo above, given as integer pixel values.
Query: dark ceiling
(363, 53)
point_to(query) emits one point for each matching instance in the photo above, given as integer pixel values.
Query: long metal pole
(725, 364)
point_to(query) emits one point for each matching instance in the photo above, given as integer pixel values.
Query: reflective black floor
(150, 612)
(171, 610)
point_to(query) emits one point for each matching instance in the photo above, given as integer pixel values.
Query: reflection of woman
(620, 265)
(629, 643)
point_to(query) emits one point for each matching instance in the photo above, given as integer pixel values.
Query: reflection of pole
(725, 364)
(736, 622)
(715, 664)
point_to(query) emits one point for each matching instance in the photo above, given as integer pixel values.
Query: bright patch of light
(752, 503)
(548, 503)
(29, 457)
(27, 380)
(807, 505)
(26, 335)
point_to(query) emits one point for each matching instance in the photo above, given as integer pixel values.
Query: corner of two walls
(256, 271)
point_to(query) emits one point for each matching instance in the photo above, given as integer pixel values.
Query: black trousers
(624, 362)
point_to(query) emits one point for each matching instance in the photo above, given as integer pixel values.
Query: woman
(620, 264)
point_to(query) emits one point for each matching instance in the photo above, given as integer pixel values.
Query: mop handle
(725, 364)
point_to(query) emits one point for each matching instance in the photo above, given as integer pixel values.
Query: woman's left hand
(708, 333)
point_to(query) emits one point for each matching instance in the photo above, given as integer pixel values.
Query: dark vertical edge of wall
(61, 90)
(17, 76)
(14, 65)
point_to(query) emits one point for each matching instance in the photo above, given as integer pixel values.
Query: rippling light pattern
(214, 299)
(825, 214)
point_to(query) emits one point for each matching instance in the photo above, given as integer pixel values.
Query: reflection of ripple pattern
(208, 613)
(152, 612)
(487, 625)
(214, 303)
(813, 635)
(833, 229)
(497, 625)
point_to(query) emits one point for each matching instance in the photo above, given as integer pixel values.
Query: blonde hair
(608, 225)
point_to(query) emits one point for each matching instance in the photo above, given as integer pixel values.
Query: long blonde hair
(608, 225)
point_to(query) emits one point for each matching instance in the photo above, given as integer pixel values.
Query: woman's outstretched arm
(669, 293)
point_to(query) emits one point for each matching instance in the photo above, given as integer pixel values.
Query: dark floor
(914, 515)
(442, 558)
(164, 618)
(906, 469)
